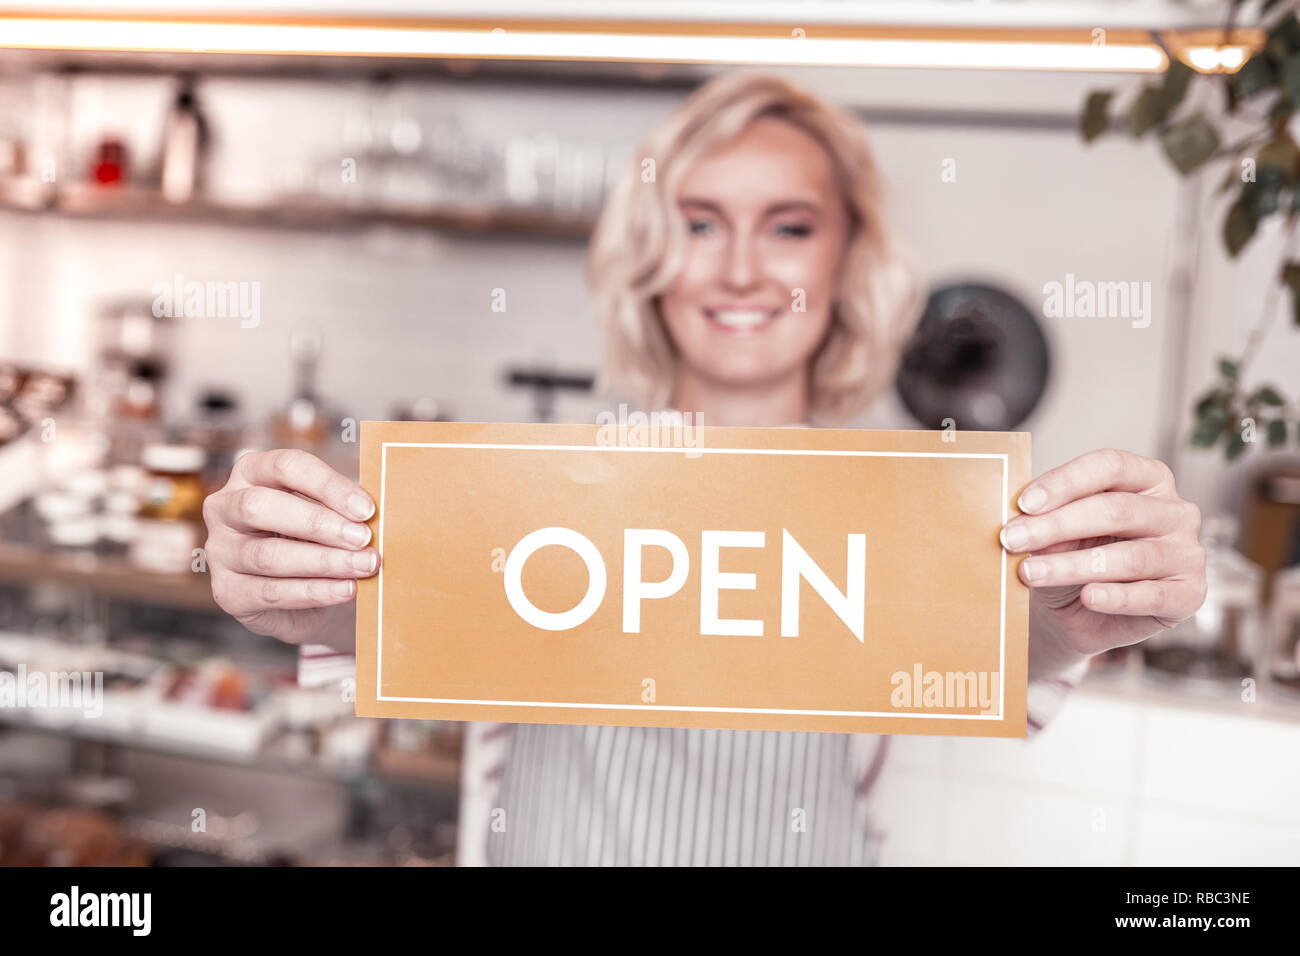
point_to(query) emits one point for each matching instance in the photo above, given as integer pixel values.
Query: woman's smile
(741, 320)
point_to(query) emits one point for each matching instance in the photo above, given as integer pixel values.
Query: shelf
(125, 203)
(25, 195)
(110, 577)
(557, 74)
(438, 769)
(443, 773)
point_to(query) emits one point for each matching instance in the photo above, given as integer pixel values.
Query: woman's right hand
(286, 543)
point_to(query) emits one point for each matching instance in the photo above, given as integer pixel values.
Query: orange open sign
(786, 578)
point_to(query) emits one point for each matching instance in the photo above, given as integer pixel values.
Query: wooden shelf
(442, 774)
(110, 577)
(25, 194)
(429, 768)
(126, 203)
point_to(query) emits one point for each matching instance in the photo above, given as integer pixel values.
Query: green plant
(1249, 130)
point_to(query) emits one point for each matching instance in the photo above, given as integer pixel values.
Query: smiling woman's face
(768, 229)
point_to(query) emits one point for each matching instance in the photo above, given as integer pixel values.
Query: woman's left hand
(1115, 551)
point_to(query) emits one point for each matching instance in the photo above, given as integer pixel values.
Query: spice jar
(171, 508)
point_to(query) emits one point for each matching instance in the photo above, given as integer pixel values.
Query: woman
(743, 272)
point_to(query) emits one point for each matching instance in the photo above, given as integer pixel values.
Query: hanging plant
(1258, 103)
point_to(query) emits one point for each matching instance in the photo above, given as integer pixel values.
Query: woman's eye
(700, 227)
(794, 230)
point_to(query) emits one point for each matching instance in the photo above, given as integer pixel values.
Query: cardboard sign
(748, 578)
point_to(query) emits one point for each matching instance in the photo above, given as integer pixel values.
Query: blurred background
(215, 237)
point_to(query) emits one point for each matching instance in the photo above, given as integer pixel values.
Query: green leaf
(1174, 85)
(1211, 421)
(1267, 395)
(1095, 118)
(1291, 77)
(1283, 38)
(1215, 398)
(1239, 226)
(1206, 433)
(1154, 103)
(1276, 433)
(1255, 75)
(1280, 153)
(1236, 445)
(1190, 142)
(1228, 369)
(1145, 111)
(1264, 194)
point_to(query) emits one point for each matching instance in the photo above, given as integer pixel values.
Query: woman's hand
(1115, 554)
(286, 544)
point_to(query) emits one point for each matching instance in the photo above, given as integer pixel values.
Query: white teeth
(740, 319)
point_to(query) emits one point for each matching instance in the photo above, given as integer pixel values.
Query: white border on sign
(1002, 621)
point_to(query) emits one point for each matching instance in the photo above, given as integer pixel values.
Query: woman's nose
(742, 268)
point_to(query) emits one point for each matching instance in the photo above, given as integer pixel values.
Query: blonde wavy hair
(639, 246)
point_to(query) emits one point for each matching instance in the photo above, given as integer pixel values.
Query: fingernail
(365, 561)
(342, 589)
(356, 534)
(361, 507)
(1100, 595)
(1034, 569)
(1014, 537)
(1033, 499)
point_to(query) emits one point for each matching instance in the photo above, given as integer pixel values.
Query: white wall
(407, 314)
(1113, 780)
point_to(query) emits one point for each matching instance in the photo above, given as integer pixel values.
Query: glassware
(1284, 647)
(169, 525)
(184, 148)
(1218, 644)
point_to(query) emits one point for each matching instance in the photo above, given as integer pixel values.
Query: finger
(286, 558)
(1172, 599)
(1121, 561)
(1115, 513)
(1107, 469)
(248, 594)
(295, 470)
(259, 509)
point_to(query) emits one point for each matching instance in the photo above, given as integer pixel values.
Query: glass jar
(170, 519)
(1219, 643)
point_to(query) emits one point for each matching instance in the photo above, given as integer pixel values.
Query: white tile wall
(1171, 836)
(1111, 781)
